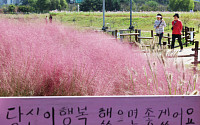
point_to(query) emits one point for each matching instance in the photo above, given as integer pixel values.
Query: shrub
(5, 9)
(1, 11)
(25, 9)
(11, 9)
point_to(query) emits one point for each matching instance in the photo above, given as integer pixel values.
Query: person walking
(159, 27)
(46, 19)
(176, 31)
(50, 18)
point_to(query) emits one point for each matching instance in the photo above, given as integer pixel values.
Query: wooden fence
(187, 34)
(195, 55)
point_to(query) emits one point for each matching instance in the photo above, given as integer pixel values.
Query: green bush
(5, 9)
(25, 9)
(11, 8)
(1, 10)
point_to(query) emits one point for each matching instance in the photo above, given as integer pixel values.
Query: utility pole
(131, 8)
(104, 6)
(78, 7)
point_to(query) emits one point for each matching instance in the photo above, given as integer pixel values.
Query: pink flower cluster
(52, 59)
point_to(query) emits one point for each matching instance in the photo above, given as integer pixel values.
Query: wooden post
(136, 36)
(113, 33)
(186, 35)
(196, 51)
(196, 55)
(193, 36)
(152, 37)
(139, 31)
(116, 34)
(164, 45)
(168, 41)
(183, 31)
(186, 29)
(130, 35)
(121, 37)
(151, 33)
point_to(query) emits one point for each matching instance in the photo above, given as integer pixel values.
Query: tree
(152, 5)
(25, 9)
(91, 5)
(43, 5)
(63, 4)
(58, 6)
(196, 6)
(32, 4)
(123, 4)
(109, 5)
(116, 5)
(181, 5)
(5, 8)
(191, 5)
(112, 5)
(54, 4)
(11, 8)
(24, 2)
(96, 5)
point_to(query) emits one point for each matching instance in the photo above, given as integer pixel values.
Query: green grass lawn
(121, 20)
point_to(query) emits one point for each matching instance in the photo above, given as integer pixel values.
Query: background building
(2, 2)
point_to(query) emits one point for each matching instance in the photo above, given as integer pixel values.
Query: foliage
(1, 11)
(63, 4)
(43, 5)
(96, 5)
(32, 3)
(113, 5)
(11, 8)
(25, 2)
(181, 5)
(91, 5)
(197, 6)
(150, 6)
(5, 8)
(46, 5)
(55, 4)
(117, 5)
(153, 5)
(25, 9)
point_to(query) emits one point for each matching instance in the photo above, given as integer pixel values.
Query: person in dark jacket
(50, 18)
(176, 31)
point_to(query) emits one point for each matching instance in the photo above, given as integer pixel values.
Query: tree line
(96, 5)
(38, 6)
(138, 5)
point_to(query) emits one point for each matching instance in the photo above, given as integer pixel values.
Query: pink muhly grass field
(51, 59)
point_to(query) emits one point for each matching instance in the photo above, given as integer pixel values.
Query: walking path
(186, 60)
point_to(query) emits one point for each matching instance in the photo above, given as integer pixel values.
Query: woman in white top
(159, 27)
